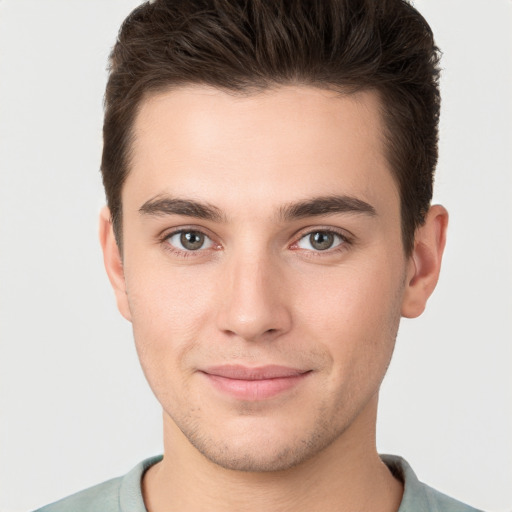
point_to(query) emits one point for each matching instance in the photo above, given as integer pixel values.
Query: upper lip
(240, 372)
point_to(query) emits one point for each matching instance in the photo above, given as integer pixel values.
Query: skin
(258, 292)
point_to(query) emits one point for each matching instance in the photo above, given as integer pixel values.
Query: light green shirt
(124, 494)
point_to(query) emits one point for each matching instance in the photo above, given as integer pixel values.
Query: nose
(253, 301)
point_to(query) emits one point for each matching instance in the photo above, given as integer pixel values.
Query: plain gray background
(74, 406)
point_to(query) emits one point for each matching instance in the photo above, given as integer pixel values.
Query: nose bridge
(253, 304)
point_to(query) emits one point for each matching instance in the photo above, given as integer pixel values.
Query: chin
(255, 460)
(265, 452)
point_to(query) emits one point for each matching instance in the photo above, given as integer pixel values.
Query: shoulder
(104, 497)
(119, 494)
(439, 502)
(419, 497)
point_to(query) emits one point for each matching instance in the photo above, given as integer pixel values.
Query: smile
(259, 383)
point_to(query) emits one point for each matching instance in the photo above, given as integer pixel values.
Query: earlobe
(113, 262)
(425, 262)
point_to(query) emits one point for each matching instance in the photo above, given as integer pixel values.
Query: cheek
(170, 310)
(361, 297)
(354, 313)
(168, 297)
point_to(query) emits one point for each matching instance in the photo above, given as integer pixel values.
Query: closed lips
(249, 384)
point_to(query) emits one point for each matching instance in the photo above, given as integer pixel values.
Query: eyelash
(184, 254)
(345, 241)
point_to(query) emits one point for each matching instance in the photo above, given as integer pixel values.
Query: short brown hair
(246, 46)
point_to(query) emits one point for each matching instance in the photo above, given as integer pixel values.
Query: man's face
(264, 268)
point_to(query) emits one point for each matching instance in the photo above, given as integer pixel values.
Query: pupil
(192, 240)
(321, 240)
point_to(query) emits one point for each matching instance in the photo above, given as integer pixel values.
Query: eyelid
(208, 242)
(166, 233)
(164, 236)
(343, 233)
(346, 237)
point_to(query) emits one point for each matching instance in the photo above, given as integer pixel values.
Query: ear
(425, 262)
(113, 262)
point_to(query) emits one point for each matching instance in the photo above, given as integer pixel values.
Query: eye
(320, 240)
(189, 240)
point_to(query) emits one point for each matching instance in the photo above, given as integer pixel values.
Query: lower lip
(260, 389)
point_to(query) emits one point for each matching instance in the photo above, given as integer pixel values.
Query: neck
(347, 476)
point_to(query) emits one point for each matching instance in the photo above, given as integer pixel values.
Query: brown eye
(192, 240)
(320, 240)
(189, 240)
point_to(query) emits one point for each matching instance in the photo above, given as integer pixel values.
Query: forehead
(282, 143)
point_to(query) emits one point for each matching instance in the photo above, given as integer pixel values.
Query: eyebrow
(315, 207)
(160, 206)
(327, 205)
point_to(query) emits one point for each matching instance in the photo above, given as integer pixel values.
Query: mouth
(253, 384)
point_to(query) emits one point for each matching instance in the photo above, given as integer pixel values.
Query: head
(268, 169)
(245, 47)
